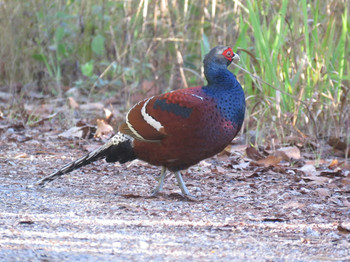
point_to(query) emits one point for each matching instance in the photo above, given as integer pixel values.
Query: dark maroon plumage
(178, 129)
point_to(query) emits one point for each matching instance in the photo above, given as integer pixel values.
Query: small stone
(333, 235)
(311, 232)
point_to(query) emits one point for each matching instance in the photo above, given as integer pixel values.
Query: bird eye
(228, 53)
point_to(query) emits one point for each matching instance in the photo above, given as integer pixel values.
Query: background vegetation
(297, 53)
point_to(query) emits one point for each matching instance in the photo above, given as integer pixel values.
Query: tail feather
(118, 148)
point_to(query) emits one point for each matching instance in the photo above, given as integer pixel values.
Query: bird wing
(154, 118)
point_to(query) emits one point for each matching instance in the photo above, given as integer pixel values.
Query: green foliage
(88, 68)
(205, 46)
(98, 45)
(297, 53)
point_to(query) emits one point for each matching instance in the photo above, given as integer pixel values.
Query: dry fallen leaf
(21, 155)
(27, 222)
(334, 164)
(292, 152)
(332, 174)
(295, 140)
(131, 196)
(309, 170)
(103, 128)
(76, 132)
(316, 179)
(218, 170)
(41, 121)
(339, 164)
(72, 103)
(343, 229)
(323, 192)
(241, 166)
(268, 161)
(294, 204)
(346, 180)
(338, 144)
(282, 155)
(108, 115)
(18, 138)
(253, 154)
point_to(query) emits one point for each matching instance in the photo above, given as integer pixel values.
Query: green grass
(300, 49)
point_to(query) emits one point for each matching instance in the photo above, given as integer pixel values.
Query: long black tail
(118, 148)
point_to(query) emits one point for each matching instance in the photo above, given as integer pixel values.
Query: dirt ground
(104, 212)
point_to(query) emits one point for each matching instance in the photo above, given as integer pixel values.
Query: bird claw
(154, 192)
(190, 197)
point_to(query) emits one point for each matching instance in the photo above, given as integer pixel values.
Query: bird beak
(236, 58)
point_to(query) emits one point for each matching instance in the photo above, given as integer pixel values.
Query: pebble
(311, 232)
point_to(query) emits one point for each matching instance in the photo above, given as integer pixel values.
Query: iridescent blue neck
(218, 76)
(227, 93)
(219, 79)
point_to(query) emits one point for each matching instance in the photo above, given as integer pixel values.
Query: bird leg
(160, 182)
(182, 186)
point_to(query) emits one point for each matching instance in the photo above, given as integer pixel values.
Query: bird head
(221, 55)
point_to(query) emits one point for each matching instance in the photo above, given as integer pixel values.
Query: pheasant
(178, 129)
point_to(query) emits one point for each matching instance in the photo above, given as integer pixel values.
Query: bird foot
(190, 197)
(154, 192)
(187, 197)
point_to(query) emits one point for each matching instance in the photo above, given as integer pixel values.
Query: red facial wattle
(228, 54)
